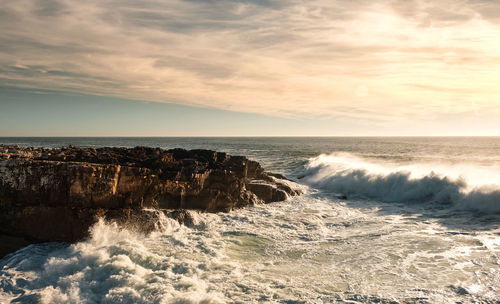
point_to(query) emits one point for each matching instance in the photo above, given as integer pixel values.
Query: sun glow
(386, 61)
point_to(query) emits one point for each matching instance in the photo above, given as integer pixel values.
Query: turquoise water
(388, 220)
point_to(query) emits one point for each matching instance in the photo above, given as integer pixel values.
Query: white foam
(309, 249)
(113, 266)
(463, 186)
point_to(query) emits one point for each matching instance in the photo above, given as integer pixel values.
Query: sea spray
(311, 250)
(316, 248)
(355, 177)
(114, 265)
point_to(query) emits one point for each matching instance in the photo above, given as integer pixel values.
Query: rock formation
(57, 194)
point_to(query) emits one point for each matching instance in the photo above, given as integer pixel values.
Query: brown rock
(57, 194)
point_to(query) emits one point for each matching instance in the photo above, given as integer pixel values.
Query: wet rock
(267, 192)
(57, 194)
(11, 244)
(184, 217)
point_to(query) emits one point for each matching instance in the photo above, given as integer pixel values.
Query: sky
(249, 68)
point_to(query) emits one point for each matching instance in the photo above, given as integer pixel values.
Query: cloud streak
(384, 60)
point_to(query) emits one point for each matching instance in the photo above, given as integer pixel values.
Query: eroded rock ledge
(57, 194)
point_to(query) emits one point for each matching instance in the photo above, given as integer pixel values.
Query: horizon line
(239, 136)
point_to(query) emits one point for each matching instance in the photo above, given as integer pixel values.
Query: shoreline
(56, 194)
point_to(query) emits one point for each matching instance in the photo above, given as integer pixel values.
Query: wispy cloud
(321, 58)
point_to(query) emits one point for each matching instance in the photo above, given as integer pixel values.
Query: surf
(454, 186)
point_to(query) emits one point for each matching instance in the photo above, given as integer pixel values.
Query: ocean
(382, 220)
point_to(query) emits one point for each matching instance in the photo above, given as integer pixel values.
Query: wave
(114, 265)
(454, 186)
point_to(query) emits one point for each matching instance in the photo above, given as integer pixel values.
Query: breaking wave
(465, 187)
(114, 265)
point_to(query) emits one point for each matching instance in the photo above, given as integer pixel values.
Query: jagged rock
(57, 194)
(268, 193)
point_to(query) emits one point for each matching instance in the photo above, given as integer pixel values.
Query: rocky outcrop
(57, 194)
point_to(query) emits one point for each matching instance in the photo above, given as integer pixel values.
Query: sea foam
(114, 265)
(469, 187)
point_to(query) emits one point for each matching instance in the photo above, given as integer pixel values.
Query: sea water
(384, 220)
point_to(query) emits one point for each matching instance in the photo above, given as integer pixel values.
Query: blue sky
(242, 67)
(29, 112)
(33, 112)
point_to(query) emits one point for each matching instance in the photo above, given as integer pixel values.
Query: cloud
(414, 58)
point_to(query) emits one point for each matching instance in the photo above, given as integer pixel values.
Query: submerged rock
(57, 194)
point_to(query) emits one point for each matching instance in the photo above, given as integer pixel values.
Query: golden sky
(388, 62)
